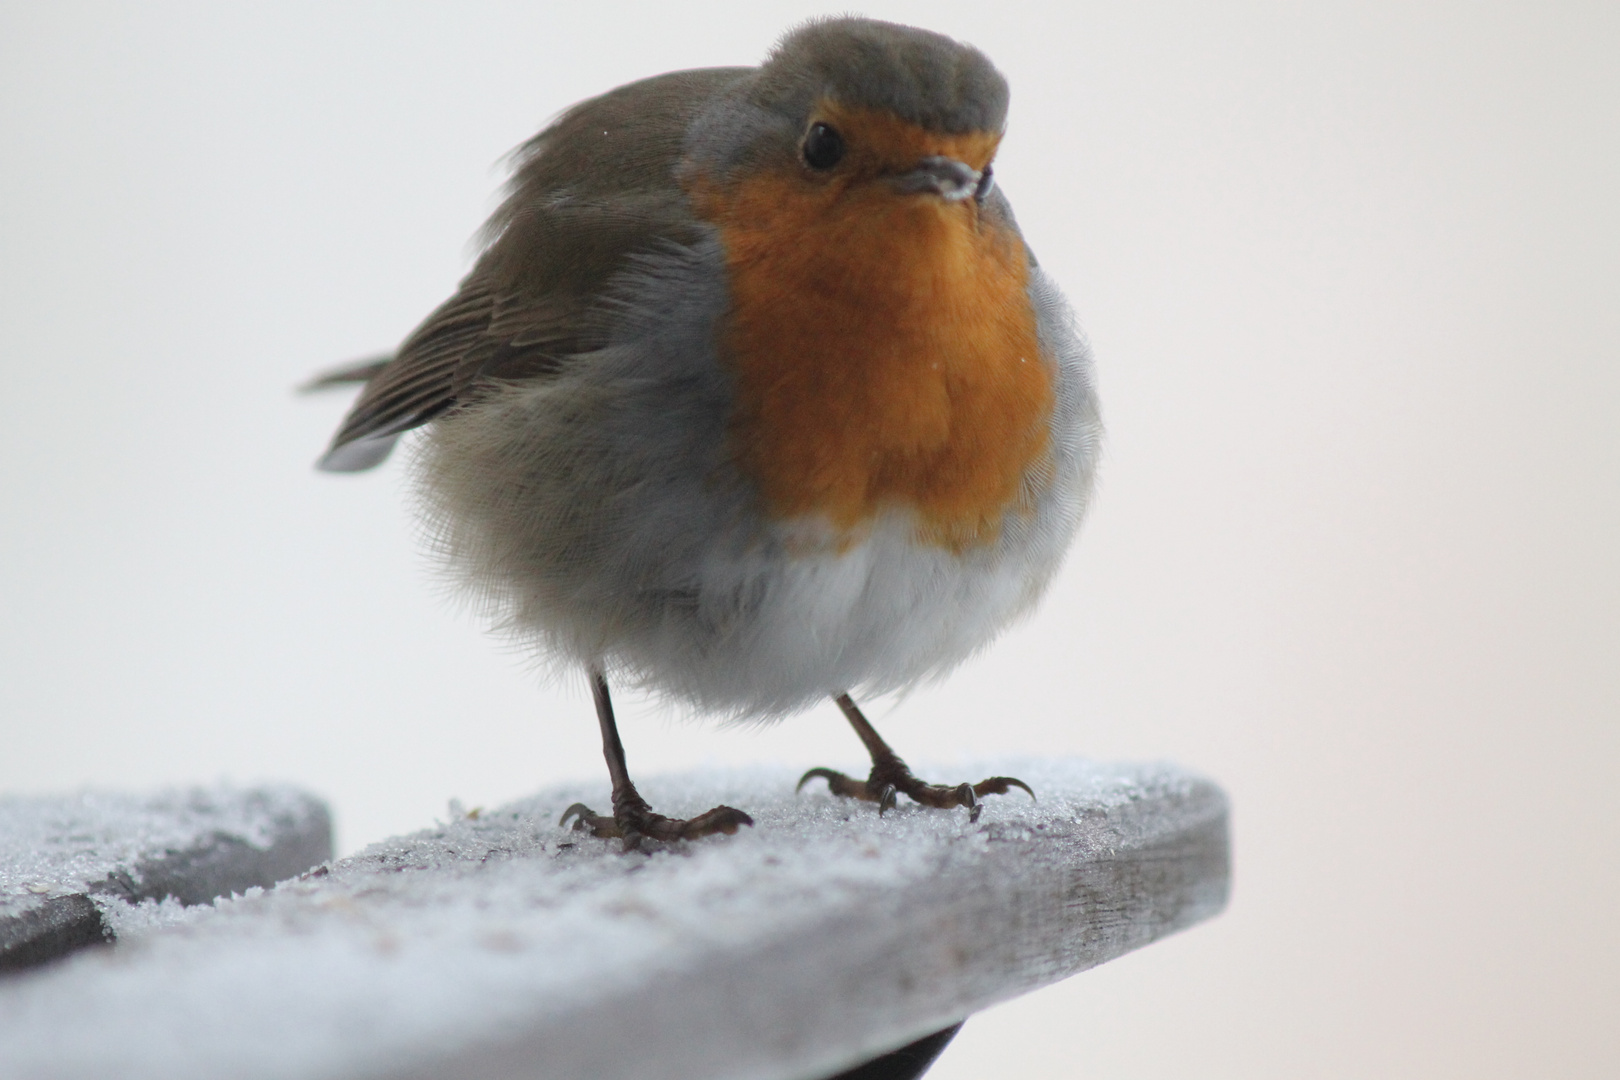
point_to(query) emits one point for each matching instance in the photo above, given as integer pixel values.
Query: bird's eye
(823, 147)
(987, 184)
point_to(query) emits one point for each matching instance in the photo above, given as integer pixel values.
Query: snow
(505, 936)
(52, 846)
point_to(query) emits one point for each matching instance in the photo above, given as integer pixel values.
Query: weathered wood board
(504, 946)
(70, 864)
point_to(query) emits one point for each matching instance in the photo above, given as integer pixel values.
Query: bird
(756, 396)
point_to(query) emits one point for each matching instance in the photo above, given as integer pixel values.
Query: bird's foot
(634, 821)
(890, 777)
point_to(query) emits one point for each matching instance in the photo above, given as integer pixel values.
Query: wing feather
(578, 210)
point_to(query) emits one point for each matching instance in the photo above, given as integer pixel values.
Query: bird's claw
(722, 819)
(828, 775)
(890, 778)
(588, 820)
(636, 824)
(998, 785)
(966, 797)
(887, 796)
(837, 783)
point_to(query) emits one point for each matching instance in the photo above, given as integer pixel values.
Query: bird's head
(857, 111)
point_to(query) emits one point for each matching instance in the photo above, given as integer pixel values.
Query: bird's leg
(632, 818)
(891, 777)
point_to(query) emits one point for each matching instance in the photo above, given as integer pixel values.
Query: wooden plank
(503, 946)
(68, 862)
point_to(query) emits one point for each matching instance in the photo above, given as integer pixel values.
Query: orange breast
(885, 355)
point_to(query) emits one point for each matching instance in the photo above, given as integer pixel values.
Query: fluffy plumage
(581, 469)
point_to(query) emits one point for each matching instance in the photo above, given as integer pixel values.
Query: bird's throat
(885, 355)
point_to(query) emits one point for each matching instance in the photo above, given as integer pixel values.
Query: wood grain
(502, 946)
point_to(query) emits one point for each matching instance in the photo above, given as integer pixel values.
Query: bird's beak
(948, 178)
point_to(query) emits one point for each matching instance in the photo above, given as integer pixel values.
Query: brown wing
(417, 385)
(590, 191)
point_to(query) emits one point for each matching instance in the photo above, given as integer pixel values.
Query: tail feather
(360, 371)
(359, 454)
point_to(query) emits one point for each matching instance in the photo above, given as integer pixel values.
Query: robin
(755, 396)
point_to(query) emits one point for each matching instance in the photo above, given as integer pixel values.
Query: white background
(1351, 276)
